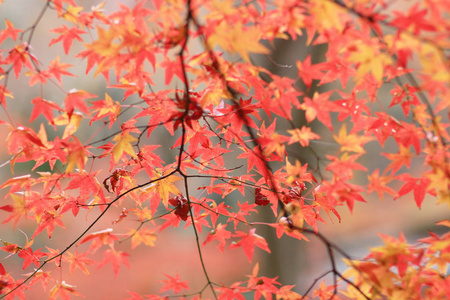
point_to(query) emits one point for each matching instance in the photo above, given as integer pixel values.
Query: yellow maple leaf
(351, 142)
(104, 45)
(72, 123)
(165, 186)
(369, 60)
(77, 156)
(214, 94)
(327, 14)
(144, 235)
(72, 13)
(123, 145)
(235, 38)
(441, 183)
(432, 63)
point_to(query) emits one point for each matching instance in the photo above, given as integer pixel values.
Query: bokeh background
(294, 262)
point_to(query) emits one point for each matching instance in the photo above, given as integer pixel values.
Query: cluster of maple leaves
(231, 124)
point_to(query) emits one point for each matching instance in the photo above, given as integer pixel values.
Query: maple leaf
(298, 172)
(78, 261)
(116, 258)
(63, 290)
(72, 13)
(409, 134)
(326, 203)
(19, 209)
(75, 99)
(325, 291)
(77, 155)
(19, 57)
(72, 123)
(336, 68)
(171, 220)
(262, 285)
(254, 159)
(440, 182)
(45, 107)
(384, 126)
(100, 238)
(4, 92)
(16, 183)
(172, 67)
(106, 108)
(237, 38)
(419, 186)
(327, 15)
(308, 72)
(123, 145)
(302, 135)
(248, 241)
(319, 107)
(406, 96)
(369, 59)
(343, 166)
(9, 31)
(67, 35)
(174, 283)
(271, 141)
(31, 257)
(218, 233)
(59, 4)
(355, 108)
(166, 186)
(143, 236)
(351, 142)
(38, 77)
(403, 158)
(58, 69)
(48, 221)
(413, 20)
(378, 183)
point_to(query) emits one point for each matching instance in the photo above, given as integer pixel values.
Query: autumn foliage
(192, 127)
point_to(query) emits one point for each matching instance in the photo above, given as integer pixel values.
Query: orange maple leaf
(302, 135)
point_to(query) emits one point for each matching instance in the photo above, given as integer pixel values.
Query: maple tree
(188, 126)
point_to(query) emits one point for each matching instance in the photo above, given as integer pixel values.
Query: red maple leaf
(9, 31)
(75, 99)
(45, 107)
(67, 35)
(415, 18)
(58, 69)
(219, 233)
(419, 187)
(172, 67)
(308, 72)
(249, 241)
(30, 257)
(319, 107)
(116, 258)
(48, 221)
(174, 283)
